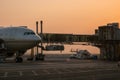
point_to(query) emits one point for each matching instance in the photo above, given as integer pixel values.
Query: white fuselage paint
(19, 38)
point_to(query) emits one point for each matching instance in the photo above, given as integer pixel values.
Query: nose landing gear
(19, 59)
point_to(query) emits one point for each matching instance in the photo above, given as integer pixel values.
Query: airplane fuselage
(18, 38)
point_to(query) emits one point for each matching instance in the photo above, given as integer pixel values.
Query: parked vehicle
(81, 54)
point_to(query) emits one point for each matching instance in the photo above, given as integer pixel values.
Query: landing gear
(19, 59)
(2, 60)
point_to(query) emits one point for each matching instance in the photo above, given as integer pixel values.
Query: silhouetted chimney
(41, 24)
(37, 27)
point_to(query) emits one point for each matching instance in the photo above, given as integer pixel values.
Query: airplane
(17, 40)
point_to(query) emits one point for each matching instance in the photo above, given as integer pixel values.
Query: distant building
(107, 38)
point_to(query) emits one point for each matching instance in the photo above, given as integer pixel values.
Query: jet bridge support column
(31, 55)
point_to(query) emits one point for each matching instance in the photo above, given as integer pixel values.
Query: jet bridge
(64, 38)
(61, 38)
(56, 41)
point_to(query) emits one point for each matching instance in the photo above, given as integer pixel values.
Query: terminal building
(107, 38)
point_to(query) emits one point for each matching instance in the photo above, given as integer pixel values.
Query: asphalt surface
(60, 68)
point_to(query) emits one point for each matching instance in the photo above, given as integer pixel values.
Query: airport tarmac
(60, 67)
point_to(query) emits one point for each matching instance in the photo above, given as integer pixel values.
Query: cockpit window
(29, 33)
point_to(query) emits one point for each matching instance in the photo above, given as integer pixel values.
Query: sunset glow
(61, 16)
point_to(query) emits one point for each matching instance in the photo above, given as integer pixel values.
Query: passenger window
(29, 33)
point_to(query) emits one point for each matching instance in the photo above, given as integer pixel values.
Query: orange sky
(62, 16)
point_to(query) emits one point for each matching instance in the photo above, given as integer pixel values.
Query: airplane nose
(38, 39)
